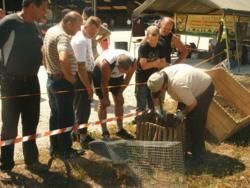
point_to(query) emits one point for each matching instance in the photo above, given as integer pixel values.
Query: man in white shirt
(113, 71)
(191, 87)
(81, 44)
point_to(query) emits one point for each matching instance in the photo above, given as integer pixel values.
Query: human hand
(105, 102)
(159, 111)
(71, 79)
(90, 92)
(180, 115)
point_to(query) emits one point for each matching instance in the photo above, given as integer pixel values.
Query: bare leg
(119, 100)
(102, 114)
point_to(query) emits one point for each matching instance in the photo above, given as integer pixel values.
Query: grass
(226, 165)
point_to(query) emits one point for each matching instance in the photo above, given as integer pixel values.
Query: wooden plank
(156, 133)
(219, 123)
(165, 134)
(231, 89)
(145, 131)
(138, 131)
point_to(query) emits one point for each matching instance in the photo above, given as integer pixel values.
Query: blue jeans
(82, 105)
(143, 98)
(62, 113)
(28, 107)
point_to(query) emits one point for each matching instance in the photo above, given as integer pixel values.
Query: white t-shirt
(83, 50)
(110, 56)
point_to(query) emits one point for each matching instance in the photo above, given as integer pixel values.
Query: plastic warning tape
(66, 129)
(66, 91)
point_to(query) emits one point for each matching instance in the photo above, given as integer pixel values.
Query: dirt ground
(226, 165)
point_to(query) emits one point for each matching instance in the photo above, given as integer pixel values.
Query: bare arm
(106, 72)
(83, 75)
(156, 101)
(128, 77)
(43, 58)
(159, 63)
(176, 42)
(66, 67)
(189, 108)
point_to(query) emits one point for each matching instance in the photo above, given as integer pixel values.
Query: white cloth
(110, 56)
(83, 50)
(185, 82)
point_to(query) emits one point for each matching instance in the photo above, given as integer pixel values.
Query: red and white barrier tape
(64, 130)
(65, 91)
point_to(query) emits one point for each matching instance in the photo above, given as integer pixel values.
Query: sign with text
(205, 24)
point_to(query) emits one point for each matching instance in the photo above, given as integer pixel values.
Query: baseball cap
(155, 82)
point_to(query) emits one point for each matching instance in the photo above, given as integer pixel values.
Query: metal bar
(94, 6)
(4, 4)
(227, 45)
(236, 41)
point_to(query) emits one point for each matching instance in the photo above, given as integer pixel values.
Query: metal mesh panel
(151, 156)
(157, 160)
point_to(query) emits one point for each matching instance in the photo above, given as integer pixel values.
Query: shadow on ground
(85, 172)
(241, 138)
(217, 165)
(23, 178)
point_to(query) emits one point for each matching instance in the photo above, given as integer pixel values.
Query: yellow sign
(203, 23)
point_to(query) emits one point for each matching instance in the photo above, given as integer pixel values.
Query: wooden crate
(148, 129)
(153, 132)
(220, 123)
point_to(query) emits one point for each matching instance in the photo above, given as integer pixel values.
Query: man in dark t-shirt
(150, 59)
(21, 44)
(170, 40)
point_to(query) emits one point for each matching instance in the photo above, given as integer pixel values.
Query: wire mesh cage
(152, 156)
(145, 159)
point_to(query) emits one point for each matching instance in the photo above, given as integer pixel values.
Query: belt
(56, 76)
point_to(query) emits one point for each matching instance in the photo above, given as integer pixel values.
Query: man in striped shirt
(61, 66)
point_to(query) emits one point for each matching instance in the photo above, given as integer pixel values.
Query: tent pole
(226, 37)
(4, 5)
(198, 41)
(94, 6)
(237, 41)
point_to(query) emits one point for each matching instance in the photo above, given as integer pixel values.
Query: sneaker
(105, 135)
(125, 135)
(85, 141)
(36, 167)
(7, 168)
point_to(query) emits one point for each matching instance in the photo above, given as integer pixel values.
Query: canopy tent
(196, 7)
(170, 7)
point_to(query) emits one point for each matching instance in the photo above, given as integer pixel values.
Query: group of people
(74, 73)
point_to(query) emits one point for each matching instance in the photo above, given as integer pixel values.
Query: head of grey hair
(124, 61)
